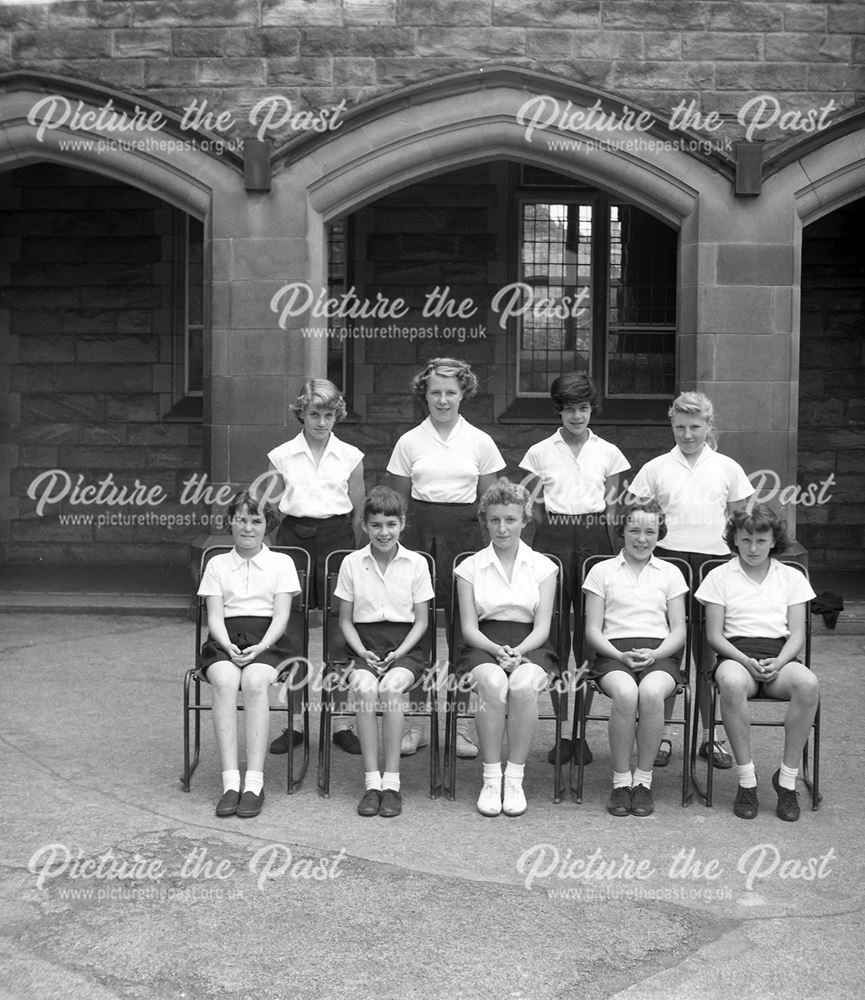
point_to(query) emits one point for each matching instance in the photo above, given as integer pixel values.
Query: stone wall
(232, 53)
(89, 296)
(832, 388)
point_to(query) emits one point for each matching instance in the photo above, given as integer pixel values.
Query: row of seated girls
(443, 487)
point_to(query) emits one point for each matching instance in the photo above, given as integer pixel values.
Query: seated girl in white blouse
(506, 595)
(755, 622)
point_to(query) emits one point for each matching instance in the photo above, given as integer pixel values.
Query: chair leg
(449, 766)
(190, 761)
(295, 781)
(324, 740)
(578, 733)
(559, 705)
(434, 764)
(687, 794)
(695, 740)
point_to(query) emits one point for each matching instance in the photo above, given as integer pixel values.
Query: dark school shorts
(507, 634)
(381, 638)
(246, 631)
(606, 665)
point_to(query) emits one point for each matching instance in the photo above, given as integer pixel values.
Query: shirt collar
(621, 561)
(488, 557)
(299, 445)
(560, 438)
(236, 560)
(401, 553)
(429, 427)
(704, 456)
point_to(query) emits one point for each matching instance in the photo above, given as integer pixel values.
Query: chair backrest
(298, 620)
(558, 630)
(333, 644)
(711, 564)
(580, 626)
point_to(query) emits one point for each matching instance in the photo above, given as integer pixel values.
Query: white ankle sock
(515, 772)
(643, 778)
(746, 774)
(621, 779)
(493, 773)
(253, 781)
(231, 781)
(390, 780)
(787, 777)
(372, 779)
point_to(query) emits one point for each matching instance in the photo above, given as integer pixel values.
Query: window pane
(556, 265)
(641, 338)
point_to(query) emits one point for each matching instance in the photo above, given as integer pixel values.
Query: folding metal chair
(337, 664)
(557, 691)
(683, 687)
(812, 783)
(295, 673)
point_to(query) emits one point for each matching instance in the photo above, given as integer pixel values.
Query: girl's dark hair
(383, 500)
(447, 368)
(255, 505)
(650, 508)
(760, 517)
(572, 389)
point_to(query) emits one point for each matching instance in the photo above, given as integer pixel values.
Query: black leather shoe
(642, 803)
(250, 804)
(369, 804)
(745, 805)
(720, 758)
(391, 803)
(665, 752)
(346, 740)
(788, 800)
(227, 805)
(280, 744)
(619, 803)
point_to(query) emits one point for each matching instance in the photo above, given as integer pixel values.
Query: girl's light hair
(321, 391)
(696, 404)
(504, 492)
(447, 368)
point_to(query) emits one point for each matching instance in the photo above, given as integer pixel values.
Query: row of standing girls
(443, 467)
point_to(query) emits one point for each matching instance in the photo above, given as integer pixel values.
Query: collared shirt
(310, 490)
(751, 608)
(248, 586)
(384, 597)
(445, 471)
(498, 598)
(574, 484)
(635, 604)
(694, 497)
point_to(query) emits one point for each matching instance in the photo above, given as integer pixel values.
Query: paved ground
(310, 901)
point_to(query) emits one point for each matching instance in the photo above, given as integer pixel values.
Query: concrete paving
(114, 883)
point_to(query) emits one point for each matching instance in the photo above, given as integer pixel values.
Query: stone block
(172, 72)
(68, 408)
(757, 17)
(23, 18)
(358, 42)
(218, 72)
(369, 11)
(44, 433)
(808, 48)
(735, 309)
(124, 74)
(295, 71)
(479, 44)
(301, 12)
(187, 460)
(30, 46)
(133, 407)
(110, 434)
(108, 14)
(106, 457)
(754, 264)
(640, 14)
(230, 43)
(37, 456)
(32, 350)
(259, 352)
(805, 17)
(211, 12)
(117, 350)
(830, 81)
(249, 399)
(662, 45)
(355, 72)
(161, 435)
(727, 45)
(452, 13)
(561, 13)
(153, 44)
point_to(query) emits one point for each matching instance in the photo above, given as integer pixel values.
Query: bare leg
(224, 678)
(653, 690)
(492, 686)
(393, 690)
(621, 688)
(364, 687)
(736, 686)
(254, 682)
(524, 687)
